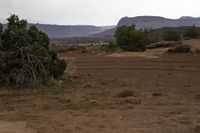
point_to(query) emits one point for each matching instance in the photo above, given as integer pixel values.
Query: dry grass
(126, 92)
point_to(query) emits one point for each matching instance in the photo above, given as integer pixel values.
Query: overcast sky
(96, 12)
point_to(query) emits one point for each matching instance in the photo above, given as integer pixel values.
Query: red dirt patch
(166, 98)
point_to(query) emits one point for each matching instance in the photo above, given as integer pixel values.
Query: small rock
(185, 122)
(187, 85)
(156, 94)
(121, 117)
(93, 101)
(133, 100)
(74, 77)
(88, 86)
(197, 97)
(88, 74)
(169, 73)
(197, 129)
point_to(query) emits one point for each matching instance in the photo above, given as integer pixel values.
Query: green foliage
(39, 37)
(126, 93)
(130, 39)
(57, 67)
(192, 33)
(4, 67)
(14, 23)
(25, 57)
(111, 46)
(180, 49)
(1, 28)
(171, 35)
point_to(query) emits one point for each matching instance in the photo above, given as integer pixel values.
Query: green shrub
(126, 93)
(171, 35)
(57, 67)
(111, 46)
(3, 77)
(72, 48)
(130, 39)
(180, 49)
(192, 33)
(25, 57)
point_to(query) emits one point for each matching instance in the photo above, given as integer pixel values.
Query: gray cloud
(97, 12)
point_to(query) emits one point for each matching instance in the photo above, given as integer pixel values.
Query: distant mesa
(67, 31)
(154, 22)
(186, 17)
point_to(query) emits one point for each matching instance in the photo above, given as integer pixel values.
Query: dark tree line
(191, 33)
(128, 38)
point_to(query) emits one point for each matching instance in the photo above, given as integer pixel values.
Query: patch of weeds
(71, 49)
(124, 83)
(67, 99)
(59, 86)
(180, 49)
(45, 107)
(126, 92)
(111, 46)
(177, 111)
(88, 85)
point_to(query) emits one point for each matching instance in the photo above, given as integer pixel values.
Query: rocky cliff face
(155, 22)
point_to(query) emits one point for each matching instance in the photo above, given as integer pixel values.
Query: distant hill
(153, 22)
(67, 31)
(107, 34)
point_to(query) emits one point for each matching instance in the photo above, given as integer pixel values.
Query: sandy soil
(195, 43)
(14, 127)
(151, 53)
(166, 100)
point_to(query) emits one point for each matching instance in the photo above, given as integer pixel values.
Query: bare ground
(166, 100)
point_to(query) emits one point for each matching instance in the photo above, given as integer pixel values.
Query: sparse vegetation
(163, 44)
(110, 46)
(130, 39)
(180, 49)
(171, 35)
(25, 57)
(192, 33)
(126, 92)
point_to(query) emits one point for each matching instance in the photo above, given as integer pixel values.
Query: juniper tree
(25, 57)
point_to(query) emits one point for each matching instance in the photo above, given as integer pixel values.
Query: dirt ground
(166, 99)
